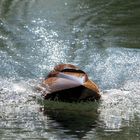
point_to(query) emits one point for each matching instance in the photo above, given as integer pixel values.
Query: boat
(68, 83)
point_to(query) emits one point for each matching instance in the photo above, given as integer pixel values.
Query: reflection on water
(71, 122)
(101, 37)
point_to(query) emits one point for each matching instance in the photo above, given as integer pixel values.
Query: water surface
(101, 37)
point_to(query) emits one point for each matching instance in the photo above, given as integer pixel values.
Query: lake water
(100, 36)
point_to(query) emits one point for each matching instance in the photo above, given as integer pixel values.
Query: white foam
(118, 107)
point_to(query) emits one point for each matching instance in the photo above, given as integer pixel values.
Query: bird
(68, 83)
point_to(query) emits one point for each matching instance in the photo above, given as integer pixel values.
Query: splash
(120, 106)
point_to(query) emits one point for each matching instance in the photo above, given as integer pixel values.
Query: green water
(101, 37)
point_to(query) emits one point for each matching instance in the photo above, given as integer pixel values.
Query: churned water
(100, 36)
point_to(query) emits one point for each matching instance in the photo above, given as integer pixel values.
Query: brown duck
(68, 83)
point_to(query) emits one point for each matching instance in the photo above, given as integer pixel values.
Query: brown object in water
(68, 83)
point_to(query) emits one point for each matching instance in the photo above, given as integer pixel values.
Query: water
(101, 37)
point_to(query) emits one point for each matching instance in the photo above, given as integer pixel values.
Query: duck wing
(54, 84)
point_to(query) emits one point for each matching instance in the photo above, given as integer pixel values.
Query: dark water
(100, 36)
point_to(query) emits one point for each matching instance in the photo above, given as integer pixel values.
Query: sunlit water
(101, 37)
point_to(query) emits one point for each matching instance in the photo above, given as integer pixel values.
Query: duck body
(70, 84)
